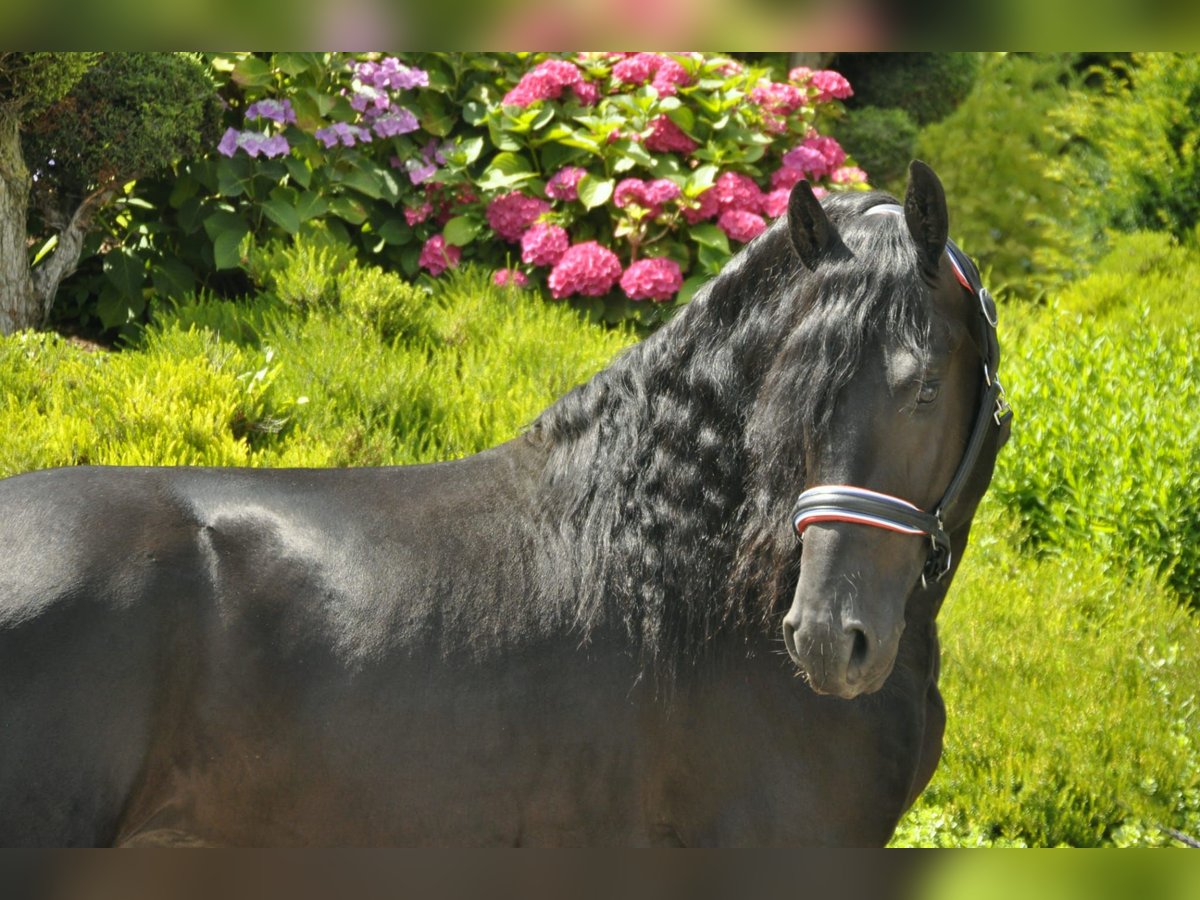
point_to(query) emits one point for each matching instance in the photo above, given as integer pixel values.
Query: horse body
(558, 641)
(314, 657)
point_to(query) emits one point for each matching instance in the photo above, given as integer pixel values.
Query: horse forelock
(669, 475)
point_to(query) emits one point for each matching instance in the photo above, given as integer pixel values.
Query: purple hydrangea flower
(229, 142)
(398, 121)
(276, 110)
(343, 133)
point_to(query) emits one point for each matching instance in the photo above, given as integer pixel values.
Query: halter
(860, 506)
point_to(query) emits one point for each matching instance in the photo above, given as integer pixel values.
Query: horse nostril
(789, 640)
(859, 649)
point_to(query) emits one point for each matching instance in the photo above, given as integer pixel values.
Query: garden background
(329, 259)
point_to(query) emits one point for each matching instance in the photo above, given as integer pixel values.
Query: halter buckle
(1003, 410)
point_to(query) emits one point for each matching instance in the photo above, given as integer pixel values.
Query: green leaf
(294, 64)
(282, 213)
(115, 308)
(227, 252)
(298, 170)
(125, 270)
(172, 278)
(501, 139)
(189, 216)
(361, 181)
(506, 170)
(701, 180)
(707, 234)
(712, 259)
(460, 231)
(395, 231)
(310, 204)
(251, 71)
(469, 148)
(684, 118)
(435, 117)
(594, 192)
(348, 209)
(185, 188)
(225, 222)
(233, 175)
(689, 288)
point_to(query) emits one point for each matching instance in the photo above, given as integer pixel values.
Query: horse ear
(811, 231)
(925, 213)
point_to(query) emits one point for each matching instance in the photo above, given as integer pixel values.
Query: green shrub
(303, 273)
(883, 140)
(928, 86)
(1073, 703)
(1145, 274)
(404, 377)
(1024, 225)
(1106, 448)
(185, 398)
(385, 303)
(1142, 134)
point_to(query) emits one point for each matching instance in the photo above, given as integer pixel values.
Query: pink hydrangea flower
(652, 279)
(800, 75)
(816, 157)
(848, 175)
(669, 77)
(505, 277)
(564, 184)
(777, 96)
(437, 257)
(741, 225)
(630, 190)
(806, 160)
(415, 215)
(544, 244)
(511, 214)
(588, 92)
(785, 178)
(736, 191)
(637, 69)
(587, 269)
(775, 203)
(649, 195)
(706, 207)
(661, 191)
(667, 137)
(664, 74)
(830, 85)
(546, 81)
(829, 148)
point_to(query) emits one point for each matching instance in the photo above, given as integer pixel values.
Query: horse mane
(670, 474)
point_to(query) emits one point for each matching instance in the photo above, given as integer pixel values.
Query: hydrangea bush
(621, 180)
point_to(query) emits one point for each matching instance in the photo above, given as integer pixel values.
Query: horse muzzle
(845, 659)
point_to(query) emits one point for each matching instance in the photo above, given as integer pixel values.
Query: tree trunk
(20, 306)
(25, 297)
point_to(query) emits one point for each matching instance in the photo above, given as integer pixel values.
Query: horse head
(890, 459)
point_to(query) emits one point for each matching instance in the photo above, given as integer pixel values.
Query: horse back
(292, 656)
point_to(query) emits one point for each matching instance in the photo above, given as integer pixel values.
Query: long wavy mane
(670, 474)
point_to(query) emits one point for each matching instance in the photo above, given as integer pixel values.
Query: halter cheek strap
(860, 506)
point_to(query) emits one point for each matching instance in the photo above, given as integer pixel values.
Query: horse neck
(645, 475)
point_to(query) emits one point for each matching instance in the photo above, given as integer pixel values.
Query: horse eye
(928, 392)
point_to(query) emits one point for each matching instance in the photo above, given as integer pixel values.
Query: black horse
(602, 632)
